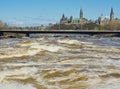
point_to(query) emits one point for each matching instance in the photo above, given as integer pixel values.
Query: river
(60, 62)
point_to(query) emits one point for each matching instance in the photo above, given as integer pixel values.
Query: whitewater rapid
(49, 62)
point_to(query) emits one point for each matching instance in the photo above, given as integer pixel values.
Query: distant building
(81, 20)
(71, 20)
(104, 20)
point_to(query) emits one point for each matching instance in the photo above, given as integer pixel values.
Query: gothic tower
(81, 13)
(71, 19)
(112, 15)
(63, 20)
(63, 16)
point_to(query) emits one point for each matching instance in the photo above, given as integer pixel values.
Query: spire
(63, 16)
(81, 13)
(112, 10)
(112, 15)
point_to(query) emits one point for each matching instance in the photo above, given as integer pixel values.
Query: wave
(73, 42)
(16, 85)
(33, 49)
(68, 41)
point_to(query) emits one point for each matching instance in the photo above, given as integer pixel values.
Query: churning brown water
(72, 62)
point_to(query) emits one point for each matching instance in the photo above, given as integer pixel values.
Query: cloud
(107, 17)
(16, 23)
(39, 18)
(32, 18)
(31, 21)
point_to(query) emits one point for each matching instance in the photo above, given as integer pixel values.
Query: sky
(37, 12)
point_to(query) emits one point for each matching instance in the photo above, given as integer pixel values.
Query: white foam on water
(73, 42)
(24, 71)
(68, 41)
(16, 85)
(109, 86)
(33, 50)
(110, 83)
(23, 64)
(27, 44)
(38, 48)
(12, 55)
(40, 39)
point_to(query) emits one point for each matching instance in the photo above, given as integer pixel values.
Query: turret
(81, 14)
(63, 20)
(101, 20)
(112, 15)
(63, 16)
(71, 19)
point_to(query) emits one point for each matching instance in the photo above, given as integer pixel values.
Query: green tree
(92, 26)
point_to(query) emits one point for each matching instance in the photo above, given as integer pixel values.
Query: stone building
(71, 20)
(104, 20)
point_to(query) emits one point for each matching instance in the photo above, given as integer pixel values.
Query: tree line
(87, 26)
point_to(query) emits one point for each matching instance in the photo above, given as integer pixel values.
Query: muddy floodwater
(60, 62)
